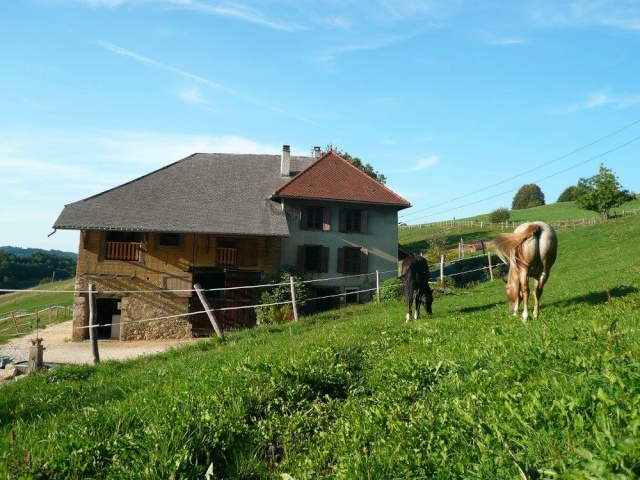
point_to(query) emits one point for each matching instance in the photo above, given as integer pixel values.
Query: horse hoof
(408, 317)
(415, 316)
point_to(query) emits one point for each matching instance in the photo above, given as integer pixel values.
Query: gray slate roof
(205, 193)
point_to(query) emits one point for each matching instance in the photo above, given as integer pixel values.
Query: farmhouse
(226, 220)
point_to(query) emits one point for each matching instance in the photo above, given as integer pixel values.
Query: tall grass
(470, 392)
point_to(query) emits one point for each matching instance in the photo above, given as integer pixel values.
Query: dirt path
(60, 349)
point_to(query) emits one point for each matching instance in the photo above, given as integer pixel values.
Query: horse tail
(508, 242)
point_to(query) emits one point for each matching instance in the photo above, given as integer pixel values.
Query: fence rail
(24, 321)
(505, 225)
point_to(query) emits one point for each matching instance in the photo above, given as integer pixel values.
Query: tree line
(18, 271)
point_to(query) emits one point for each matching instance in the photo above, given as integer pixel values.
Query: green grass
(31, 301)
(470, 392)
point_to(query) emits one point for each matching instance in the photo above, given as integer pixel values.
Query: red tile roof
(331, 177)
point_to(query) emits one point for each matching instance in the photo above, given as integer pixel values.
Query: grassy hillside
(58, 293)
(470, 392)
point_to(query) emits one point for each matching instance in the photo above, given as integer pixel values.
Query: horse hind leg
(417, 312)
(525, 299)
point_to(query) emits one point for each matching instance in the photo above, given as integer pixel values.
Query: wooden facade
(153, 278)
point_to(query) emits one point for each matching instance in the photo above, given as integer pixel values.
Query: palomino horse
(415, 279)
(530, 251)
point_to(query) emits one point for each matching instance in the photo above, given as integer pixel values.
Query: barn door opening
(108, 318)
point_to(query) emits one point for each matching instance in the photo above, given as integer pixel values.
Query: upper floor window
(353, 220)
(172, 241)
(122, 246)
(315, 218)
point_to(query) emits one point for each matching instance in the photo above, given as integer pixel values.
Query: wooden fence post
(378, 285)
(442, 271)
(293, 298)
(207, 307)
(490, 267)
(93, 331)
(15, 322)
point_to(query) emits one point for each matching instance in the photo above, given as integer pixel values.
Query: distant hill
(22, 268)
(25, 252)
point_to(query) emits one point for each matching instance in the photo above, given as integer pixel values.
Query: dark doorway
(322, 299)
(108, 318)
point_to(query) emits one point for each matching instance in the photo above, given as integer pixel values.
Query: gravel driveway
(60, 349)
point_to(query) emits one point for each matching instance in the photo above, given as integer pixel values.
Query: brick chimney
(285, 161)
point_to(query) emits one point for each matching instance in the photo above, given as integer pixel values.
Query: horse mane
(509, 242)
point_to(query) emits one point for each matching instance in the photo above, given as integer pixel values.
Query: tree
(568, 195)
(601, 193)
(365, 167)
(528, 196)
(500, 215)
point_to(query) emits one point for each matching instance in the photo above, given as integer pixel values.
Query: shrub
(568, 195)
(280, 293)
(391, 289)
(500, 215)
(528, 196)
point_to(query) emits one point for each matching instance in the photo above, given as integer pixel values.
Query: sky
(458, 103)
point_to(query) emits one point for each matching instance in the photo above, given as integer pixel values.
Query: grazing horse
(415, 279)
(530, 251)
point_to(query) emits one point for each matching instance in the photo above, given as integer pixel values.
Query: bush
(528, 196)
(569, 195)
(391, 290)
(280, 293)
(500, 215)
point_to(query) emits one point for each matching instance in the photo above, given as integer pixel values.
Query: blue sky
(457, 103)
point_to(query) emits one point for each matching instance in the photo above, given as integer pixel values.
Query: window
(169, 241)
(227, 252)
(350, 295)
(353, 260)
(315, 218)
(313, 258)
(353, 220)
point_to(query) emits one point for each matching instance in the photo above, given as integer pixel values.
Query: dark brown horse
(530, 251)
(415, 279)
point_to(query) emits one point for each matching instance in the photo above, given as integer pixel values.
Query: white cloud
(622, 14)
(424, 163)
(601, 99)
(191, 95)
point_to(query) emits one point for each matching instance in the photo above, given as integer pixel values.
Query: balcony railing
(126, 251)
(227, 256)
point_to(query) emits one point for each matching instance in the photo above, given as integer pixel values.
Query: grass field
(32, 300)
(470, 392)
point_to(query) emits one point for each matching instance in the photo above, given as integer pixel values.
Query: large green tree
(601, 193)
(365, 167)
(528, 196)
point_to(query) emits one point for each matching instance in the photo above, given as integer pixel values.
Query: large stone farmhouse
(226, 220)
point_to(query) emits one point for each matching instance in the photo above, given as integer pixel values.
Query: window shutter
(247, 252)
(363, 221)
(303, 218)
(326, 219)
(343, 220)
(341, 260)
(324, 259)
(364, 260)
(300, 259)
(103, 246)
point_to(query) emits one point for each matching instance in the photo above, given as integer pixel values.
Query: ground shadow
(598, 297)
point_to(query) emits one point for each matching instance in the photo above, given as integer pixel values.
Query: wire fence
(26, 322)
(574, 223)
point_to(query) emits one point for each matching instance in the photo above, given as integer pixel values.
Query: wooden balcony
(125, 251)
(227, 256)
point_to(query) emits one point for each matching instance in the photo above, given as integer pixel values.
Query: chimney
(285, 162)
(317, 153)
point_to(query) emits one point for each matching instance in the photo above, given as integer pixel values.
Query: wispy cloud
(600, 99)
(622, 14)
(327, 56)
(238, 11)
(507, 41)
(191, 95)
(217, 86)
(424, 163)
